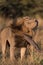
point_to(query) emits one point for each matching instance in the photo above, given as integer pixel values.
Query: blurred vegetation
(22, 7)
(41, 62)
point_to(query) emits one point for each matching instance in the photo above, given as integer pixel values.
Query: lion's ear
(19, 21)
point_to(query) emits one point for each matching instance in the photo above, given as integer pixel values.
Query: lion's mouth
(35, 28)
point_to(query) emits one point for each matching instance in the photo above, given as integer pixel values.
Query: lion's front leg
(23, 49)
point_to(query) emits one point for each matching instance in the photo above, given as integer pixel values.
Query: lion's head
(28, 24)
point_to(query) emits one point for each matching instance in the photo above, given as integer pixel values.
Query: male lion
(8, 35)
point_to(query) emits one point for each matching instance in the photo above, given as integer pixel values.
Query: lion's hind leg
(12, 47)
(3, 42)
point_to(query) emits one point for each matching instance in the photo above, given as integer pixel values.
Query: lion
(7, 35)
